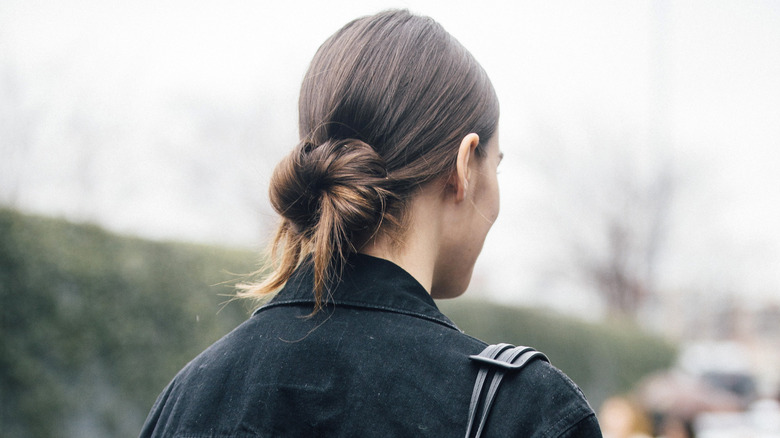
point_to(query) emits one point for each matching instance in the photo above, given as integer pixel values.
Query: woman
(384, 205)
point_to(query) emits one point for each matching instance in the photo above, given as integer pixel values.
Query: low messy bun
(332, 197)
(382, 110)
(346, 178)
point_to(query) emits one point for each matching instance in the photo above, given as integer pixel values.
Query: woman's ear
(466, 154)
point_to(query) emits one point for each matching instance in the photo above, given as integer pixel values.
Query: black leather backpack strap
(490, 352)
(497, 359)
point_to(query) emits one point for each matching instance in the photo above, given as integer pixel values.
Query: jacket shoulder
(542, 399)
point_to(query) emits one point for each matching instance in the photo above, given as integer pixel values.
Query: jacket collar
(366, 282)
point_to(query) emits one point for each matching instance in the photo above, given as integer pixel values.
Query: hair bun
(343, 181)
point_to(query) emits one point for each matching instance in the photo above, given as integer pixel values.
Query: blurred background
(638, 242)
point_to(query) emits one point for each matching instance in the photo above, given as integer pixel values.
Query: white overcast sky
(693, 83)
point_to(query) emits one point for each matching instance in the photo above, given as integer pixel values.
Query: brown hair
(382, 110)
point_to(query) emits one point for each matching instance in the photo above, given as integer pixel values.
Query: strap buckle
(504, 357)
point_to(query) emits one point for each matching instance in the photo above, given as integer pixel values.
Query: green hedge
(93, 325)
(603, 359)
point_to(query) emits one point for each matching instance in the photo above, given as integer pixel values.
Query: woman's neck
(416, 249)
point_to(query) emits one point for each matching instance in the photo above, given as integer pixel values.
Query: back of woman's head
(382, 110)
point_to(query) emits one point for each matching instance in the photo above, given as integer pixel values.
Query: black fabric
(379, 360)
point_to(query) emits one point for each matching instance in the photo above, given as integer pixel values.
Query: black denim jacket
(379, 360)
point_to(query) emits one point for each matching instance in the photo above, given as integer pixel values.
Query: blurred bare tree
(16, 129)
(611, 199)
(624, 269)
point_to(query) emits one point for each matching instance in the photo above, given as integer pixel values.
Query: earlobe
(466, 153)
